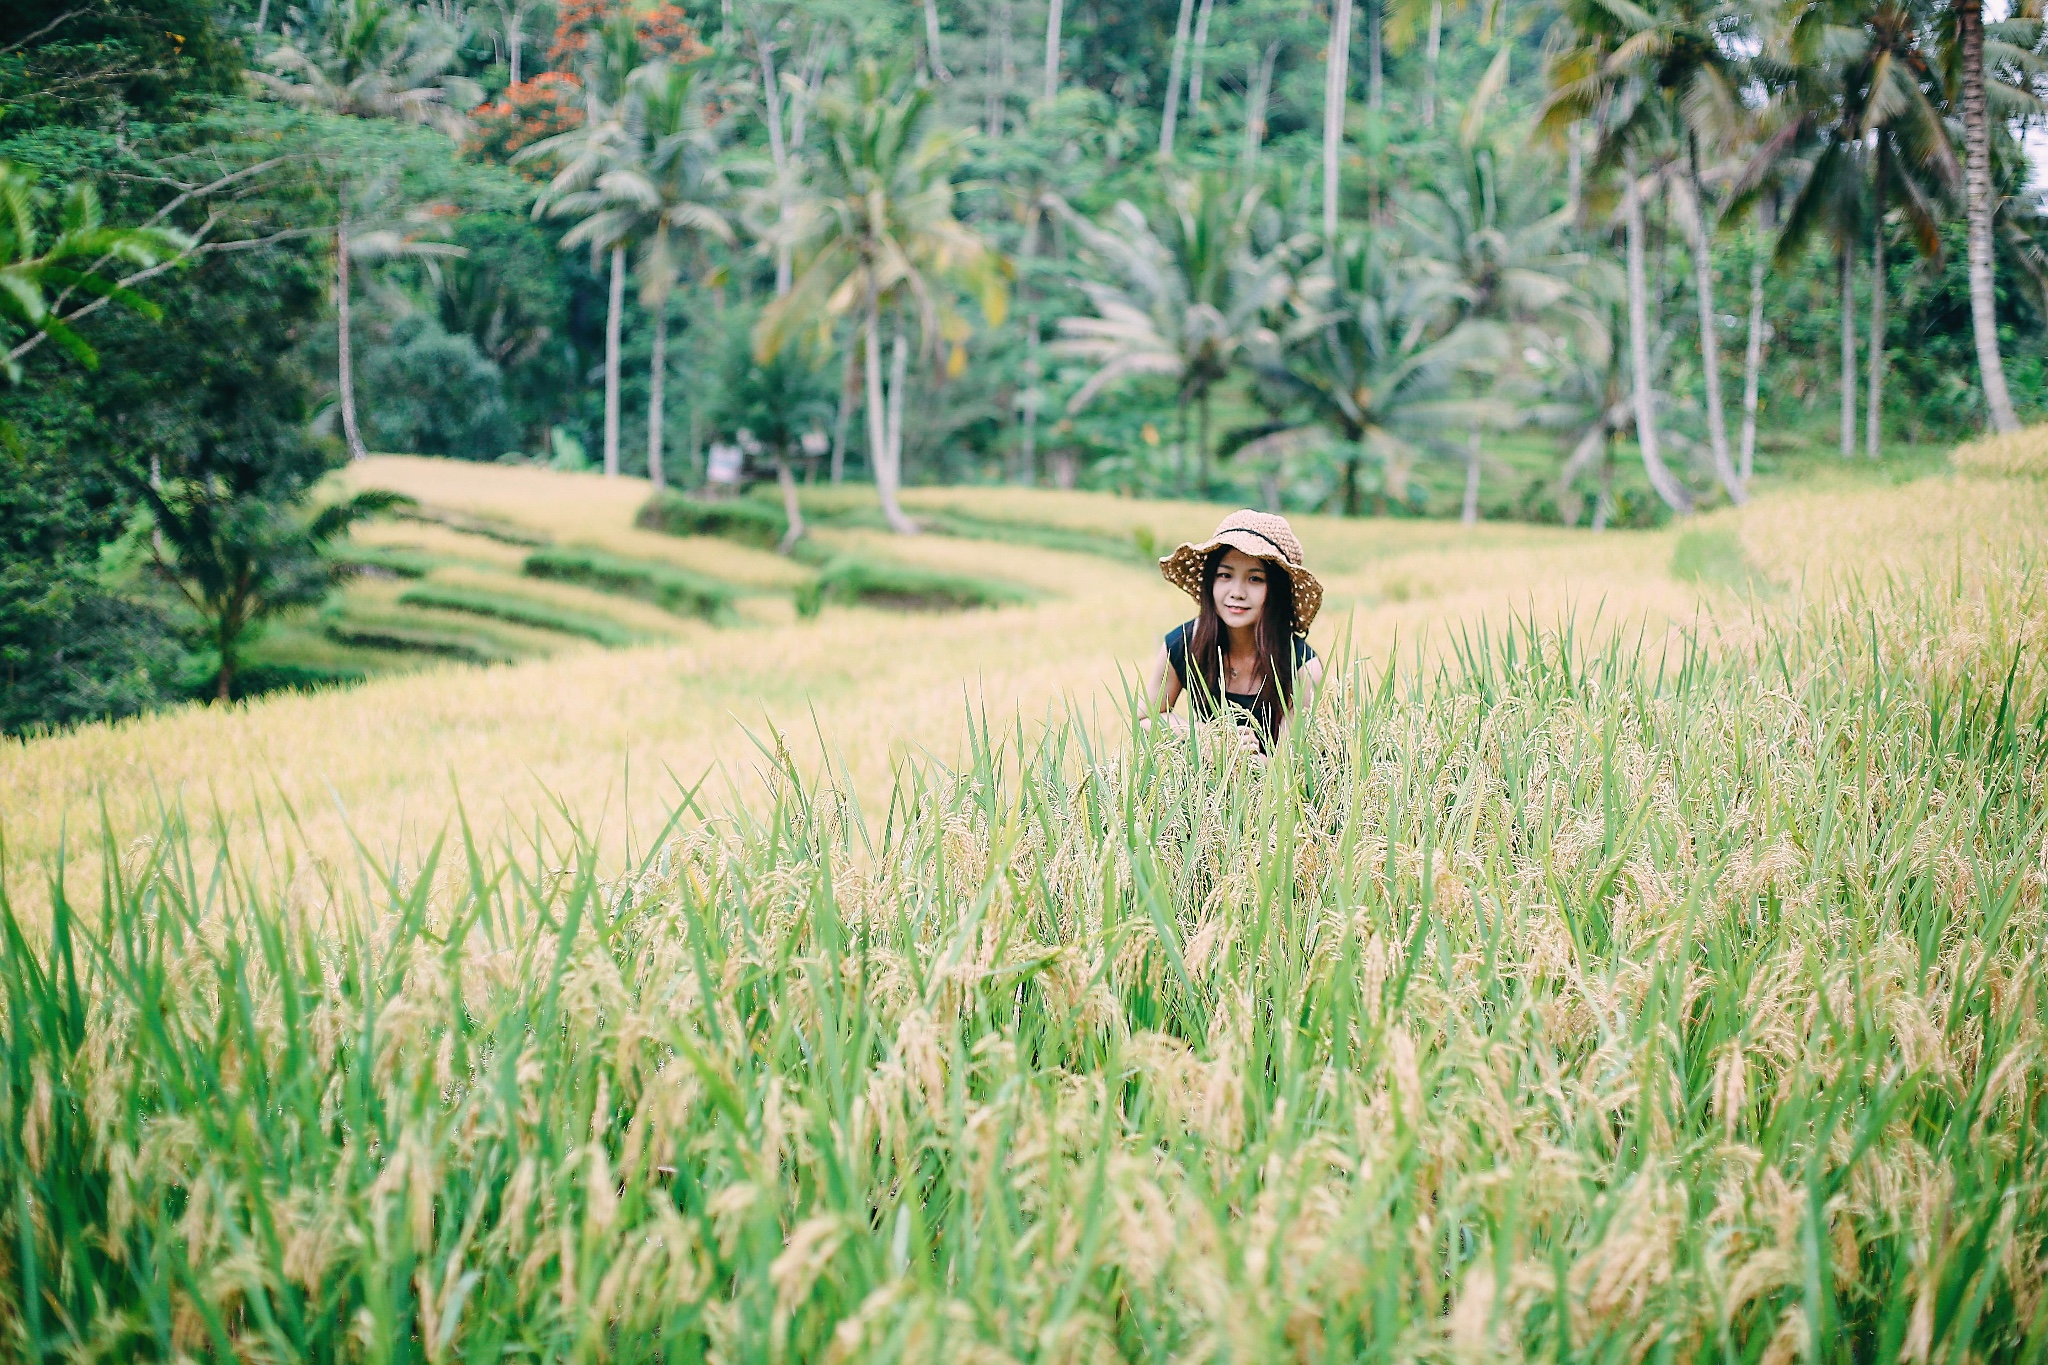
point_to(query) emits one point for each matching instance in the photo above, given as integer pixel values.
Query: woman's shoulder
(1177, 638)
(1303, 651)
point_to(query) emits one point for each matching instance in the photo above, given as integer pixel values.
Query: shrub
(670, 588)
(391, 560)
(742, 520)
(520, 611)
(876, 583)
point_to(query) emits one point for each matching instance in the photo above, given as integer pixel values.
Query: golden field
(612, 735)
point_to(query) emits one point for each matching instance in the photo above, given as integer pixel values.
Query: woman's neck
(1241, 641)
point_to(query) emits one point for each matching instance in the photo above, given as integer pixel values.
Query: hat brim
(1183, 569)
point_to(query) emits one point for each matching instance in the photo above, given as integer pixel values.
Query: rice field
(1641, 962)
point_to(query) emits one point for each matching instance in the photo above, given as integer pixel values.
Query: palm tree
(1968, 57)
(881, 241)
(658, 183)
(1860, 129)
(69, 262)
(586, 154)
(1489, 228)
(1375, 357)
(1336, 83)
(1658, 83)
(372, 59)
(1187, 300)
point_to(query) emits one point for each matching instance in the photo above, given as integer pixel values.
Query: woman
(1248, 644)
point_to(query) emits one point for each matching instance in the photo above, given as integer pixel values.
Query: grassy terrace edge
(1551, 1004)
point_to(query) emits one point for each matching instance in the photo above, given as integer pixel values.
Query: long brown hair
(1208, 640)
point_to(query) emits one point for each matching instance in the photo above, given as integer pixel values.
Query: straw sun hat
(1262, 535)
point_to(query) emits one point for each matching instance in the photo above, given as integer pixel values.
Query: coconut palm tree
(878, 240)
(1376, 359)
(372, 59)
(661, 187)
(1661, 87)
(370, 226)
(1185, 299)
(1967, 43)
(1865, 137)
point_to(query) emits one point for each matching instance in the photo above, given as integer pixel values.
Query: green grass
(967, 526)
(522, 611)
(670, 588)
(851, 579)
(1563, 1003)
(395, 561)
(745, 521)
(1715, 557)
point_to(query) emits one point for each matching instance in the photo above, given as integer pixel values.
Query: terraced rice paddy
(1648, 968)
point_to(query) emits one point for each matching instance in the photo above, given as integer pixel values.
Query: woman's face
(1240, 589)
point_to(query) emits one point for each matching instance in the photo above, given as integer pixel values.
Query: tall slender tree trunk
(1752, 362)
(1202, 443)
(849, 391)
(778, 153)
(343, 269)
(1255, 108)
(1873, 426)
(1052, 51)
(792, 506)
(1977, 193)
(1847, 272)
(657, 380)
(1603, 502)
(515, 43)
(889, 476)
(1575, 168)
(1470, 514)
(614, 323)
(263, 19)
(1694, 209)
(931, 41)
(1666, 485)
(1431, 51)
(1336, 78)
(1375, 55)
(1174, 69)
(1033, 373)
(1195, 62)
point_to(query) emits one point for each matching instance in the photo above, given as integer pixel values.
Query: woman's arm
(1162, 692)
(1307, 679)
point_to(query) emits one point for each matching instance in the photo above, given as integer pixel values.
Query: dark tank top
(1200, 704)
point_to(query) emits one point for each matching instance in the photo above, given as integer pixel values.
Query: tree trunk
(1873, 438)
(1470, 515)
(1847, 272)
(792, 508)
(515, 43)
(1336, 78)
(1255, 109)
(1202, 443)
(931, 41)
(1033, 372)
(347, 369)
(778, 152)
(1353, 504)
(1666, 485)
(613, 323)
(1977, 197)
(1174, 68)
(1695, 211)
(1375, 55)
(849, 389)
(1430, 53)
(1752, 362)
(889, 472)
(1603, 504)
(1575, 169)
(1052, 51)
(657, 376)
(1195, 63)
